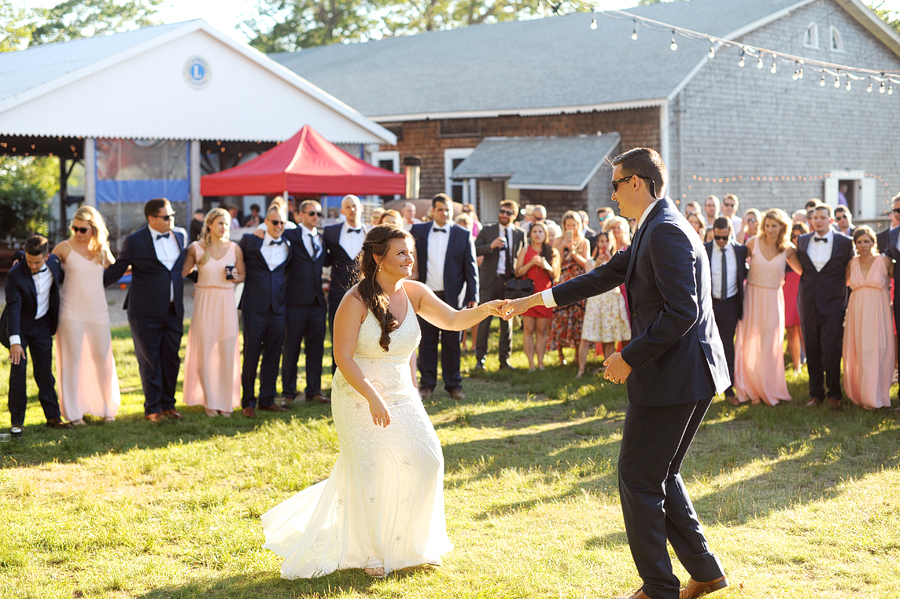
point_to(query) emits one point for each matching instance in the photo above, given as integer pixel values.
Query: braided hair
(375, 299)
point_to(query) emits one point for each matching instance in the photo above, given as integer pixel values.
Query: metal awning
(553, 163)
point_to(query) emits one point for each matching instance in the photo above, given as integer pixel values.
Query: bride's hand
(493, 307)
(381, 416)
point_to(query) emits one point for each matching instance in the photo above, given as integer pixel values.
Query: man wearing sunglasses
(155, 304)
(673, 366)
(889, 244)
(883, 238)
(842, 221)
(728, 270)
(499, 244)
(305, 306)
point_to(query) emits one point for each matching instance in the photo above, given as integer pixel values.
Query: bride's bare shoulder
(415, 291)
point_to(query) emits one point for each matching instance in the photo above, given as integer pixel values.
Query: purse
(519, 288)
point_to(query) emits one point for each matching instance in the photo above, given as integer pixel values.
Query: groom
(155, 304)
(678, 363)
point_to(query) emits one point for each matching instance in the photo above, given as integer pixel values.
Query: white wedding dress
(383, 504)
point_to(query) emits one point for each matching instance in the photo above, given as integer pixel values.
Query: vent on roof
(460, 128)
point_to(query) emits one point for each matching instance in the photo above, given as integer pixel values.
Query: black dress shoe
(479, 364)
(506, 364)
(273, 408)
(58, 424)
(16, 432)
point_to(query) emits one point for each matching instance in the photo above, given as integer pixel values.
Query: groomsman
(305, 308)
(889, 244)
(155, 304)
(822, 301)
(499, 243)
(728, 268)
(32, 306)
(262, 308)
(445, 262)
(883, 238)
(343, 243)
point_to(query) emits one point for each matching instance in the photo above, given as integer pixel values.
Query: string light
(774, 68)
(869, 88)
(741, 61)
(837, 82)
(673, 45)
(593, 23)
(822, 82)
(890, 90)
(848, 87)
(712, 49)
(759, 62)
(634, 31)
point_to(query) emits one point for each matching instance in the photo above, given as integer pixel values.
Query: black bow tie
(354, 230)
(34, 274)
(162, 235)
(276, 242)
(820, 239)
(436, 230)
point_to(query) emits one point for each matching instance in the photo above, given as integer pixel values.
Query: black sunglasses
(720, 237)
(81, 230)
(314, 213)
(507, 212)
(277, 223)
(166, 217)
(616, 182)
(728, 205)
(896, 211)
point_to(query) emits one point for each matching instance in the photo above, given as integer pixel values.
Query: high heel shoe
(376, 572)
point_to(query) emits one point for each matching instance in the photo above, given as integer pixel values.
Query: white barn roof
(136, 85)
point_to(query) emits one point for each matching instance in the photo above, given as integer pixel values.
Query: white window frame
(449, 156)
(393, 155)
(812, 31)
(836, 37)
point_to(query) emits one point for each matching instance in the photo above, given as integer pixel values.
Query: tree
(886, 15)
(15, 27)
(26, 186)
(87, 18)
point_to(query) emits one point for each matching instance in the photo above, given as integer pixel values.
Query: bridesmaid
(538, 261)
(868, 335)
(211, 362)
(759, 353)
(751, 227)
(85, 367)
(791, 315)
(565, 327)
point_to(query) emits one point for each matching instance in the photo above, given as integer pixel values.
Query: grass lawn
(797, 502)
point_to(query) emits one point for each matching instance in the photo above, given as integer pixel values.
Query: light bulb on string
(593, 23)
(837, 82)
(673, 45)
(774, 68)
(881, 88)
(741, 61)
(800, 69)
(890, 90)
(848, 87)
(712, 49)
(869, 88)
(759, 62)
(634, 31)
(822, 82)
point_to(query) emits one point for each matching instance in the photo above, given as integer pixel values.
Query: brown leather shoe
(695, 589)
(249, 412)
(172, 414)
(58, 424)
(834, 403)
(457, 394)
(638, 594)
(813, 402)
(425, 393)
(155, 417)
(733, 400)
(273, 408)
(320, 398)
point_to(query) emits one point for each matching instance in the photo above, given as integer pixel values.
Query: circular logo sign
(197, 72)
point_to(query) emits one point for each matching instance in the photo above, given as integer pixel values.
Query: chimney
(413, 165)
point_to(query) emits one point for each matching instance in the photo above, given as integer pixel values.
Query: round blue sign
(197, 72)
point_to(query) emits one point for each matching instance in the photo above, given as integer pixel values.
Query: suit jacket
(344, 271)
(303, 276)
(487, 272)
(263, 288)
(740, 254)
(883, 240)
(21, 297)
(459, 266)
(675, 350)
(150, 279)
(825, 291)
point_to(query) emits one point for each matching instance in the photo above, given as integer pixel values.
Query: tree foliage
(26, 186)
(87, 18)
(888, 16)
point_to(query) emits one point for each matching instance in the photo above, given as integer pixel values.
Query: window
(837, 44)
(459, 191)
(459, 128)
(811, 37)
(390, 161)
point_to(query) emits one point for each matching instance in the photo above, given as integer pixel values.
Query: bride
(382, 508)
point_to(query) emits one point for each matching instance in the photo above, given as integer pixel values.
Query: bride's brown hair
(375, 299)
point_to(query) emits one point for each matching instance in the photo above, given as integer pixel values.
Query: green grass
(797, 502)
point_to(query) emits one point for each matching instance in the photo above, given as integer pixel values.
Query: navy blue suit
(821, 302)
(305, 313)
(344, 271)
(678, 365)
(22, 304)
(460, 278)
(728, 311)
(262, 308)
(887, 244)
(156, 323)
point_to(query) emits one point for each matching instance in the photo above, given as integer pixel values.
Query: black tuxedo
(883, 240)
(262, 308)
(305, 313)
(493, 286)
(344, 271)
(678, 365)
(459, 279)
(22, 305)
(157, 323)
(890, 250)
(821, 303)
(728, 311)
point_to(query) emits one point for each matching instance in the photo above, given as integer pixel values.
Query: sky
(224, 15)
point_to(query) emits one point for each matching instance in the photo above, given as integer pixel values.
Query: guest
(390, 217)
(376, 216)
(603, 214)
(85, 366)
(891, 248)
(262, 308)
(822, 302)
(799, 216)
(868, 340)
(728, 270)
(749, 226)
(884, 246)
(791, 315)
(730, 205)
(306, 310)
(698, 223)
(469, 209)
(693, 208)
(212, 359)
(155, 304)
(759, 353)
(465, 221)
(810, 207)
(445, 263)
(587, 232)
(605, 315)
(538, 261)
(565, 327)
(32, 302)
(343, 242)
(621, 232)
(553, 233)
(498, 243)
(842, 221)
(254, 220)
(196, 226)
(408, 210)
(235, 217)
(711, 208)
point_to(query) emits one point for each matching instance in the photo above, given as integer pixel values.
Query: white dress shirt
(437, 255)
(504, 249)
(716, 271)
(310, 235)
(819, 252)
(167, 251)
(43, 280)
(274, 253)
(352, 242)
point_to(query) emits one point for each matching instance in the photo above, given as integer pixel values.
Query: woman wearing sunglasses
(85, 367)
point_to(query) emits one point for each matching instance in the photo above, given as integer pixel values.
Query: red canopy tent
(306, 164)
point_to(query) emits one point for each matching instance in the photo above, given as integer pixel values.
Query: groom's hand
(617, 369)
(519, 306)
